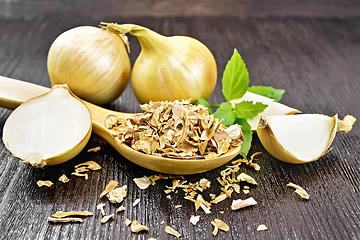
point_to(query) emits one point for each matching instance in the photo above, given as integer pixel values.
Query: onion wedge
(297, 138)
(274, 108)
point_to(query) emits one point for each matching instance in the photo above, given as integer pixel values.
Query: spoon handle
(14, 92)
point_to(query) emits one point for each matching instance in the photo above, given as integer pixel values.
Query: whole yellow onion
(169, 68)
(93, 62)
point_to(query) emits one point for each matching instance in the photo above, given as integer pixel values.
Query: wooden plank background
(316, 60)
(164, 8)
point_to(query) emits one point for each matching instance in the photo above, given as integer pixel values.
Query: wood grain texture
(315, 59)
(177, 8)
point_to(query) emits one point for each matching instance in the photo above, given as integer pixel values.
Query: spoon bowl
(14, 92)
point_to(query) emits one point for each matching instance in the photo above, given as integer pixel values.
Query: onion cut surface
(297, 138)
(49, 129)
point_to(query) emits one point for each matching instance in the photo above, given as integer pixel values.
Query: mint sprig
(235, 80)
(235, 83)
(269, 92)
(225, 112)
(247, 134)
(248, 109)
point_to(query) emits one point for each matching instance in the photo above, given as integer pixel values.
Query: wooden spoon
(14, 92)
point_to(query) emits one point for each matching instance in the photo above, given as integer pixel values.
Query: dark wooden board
(315, 59)
(179, 8)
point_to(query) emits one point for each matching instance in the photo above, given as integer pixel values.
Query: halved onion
(297, 138)
(49, 129)
(274, 108)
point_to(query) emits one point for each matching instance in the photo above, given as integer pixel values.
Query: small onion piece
(273, 108)
(92, 62)
(169, 68)
(49, 129)
(299, 138)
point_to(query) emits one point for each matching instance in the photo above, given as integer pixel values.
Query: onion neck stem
(148, 39)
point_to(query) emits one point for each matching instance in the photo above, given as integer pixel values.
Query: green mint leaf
(247, 133)
(249, 110)
(226, 112)
(269, 92)
(205, 104)
(235, 80)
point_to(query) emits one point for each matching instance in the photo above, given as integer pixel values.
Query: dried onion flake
(176, 129)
